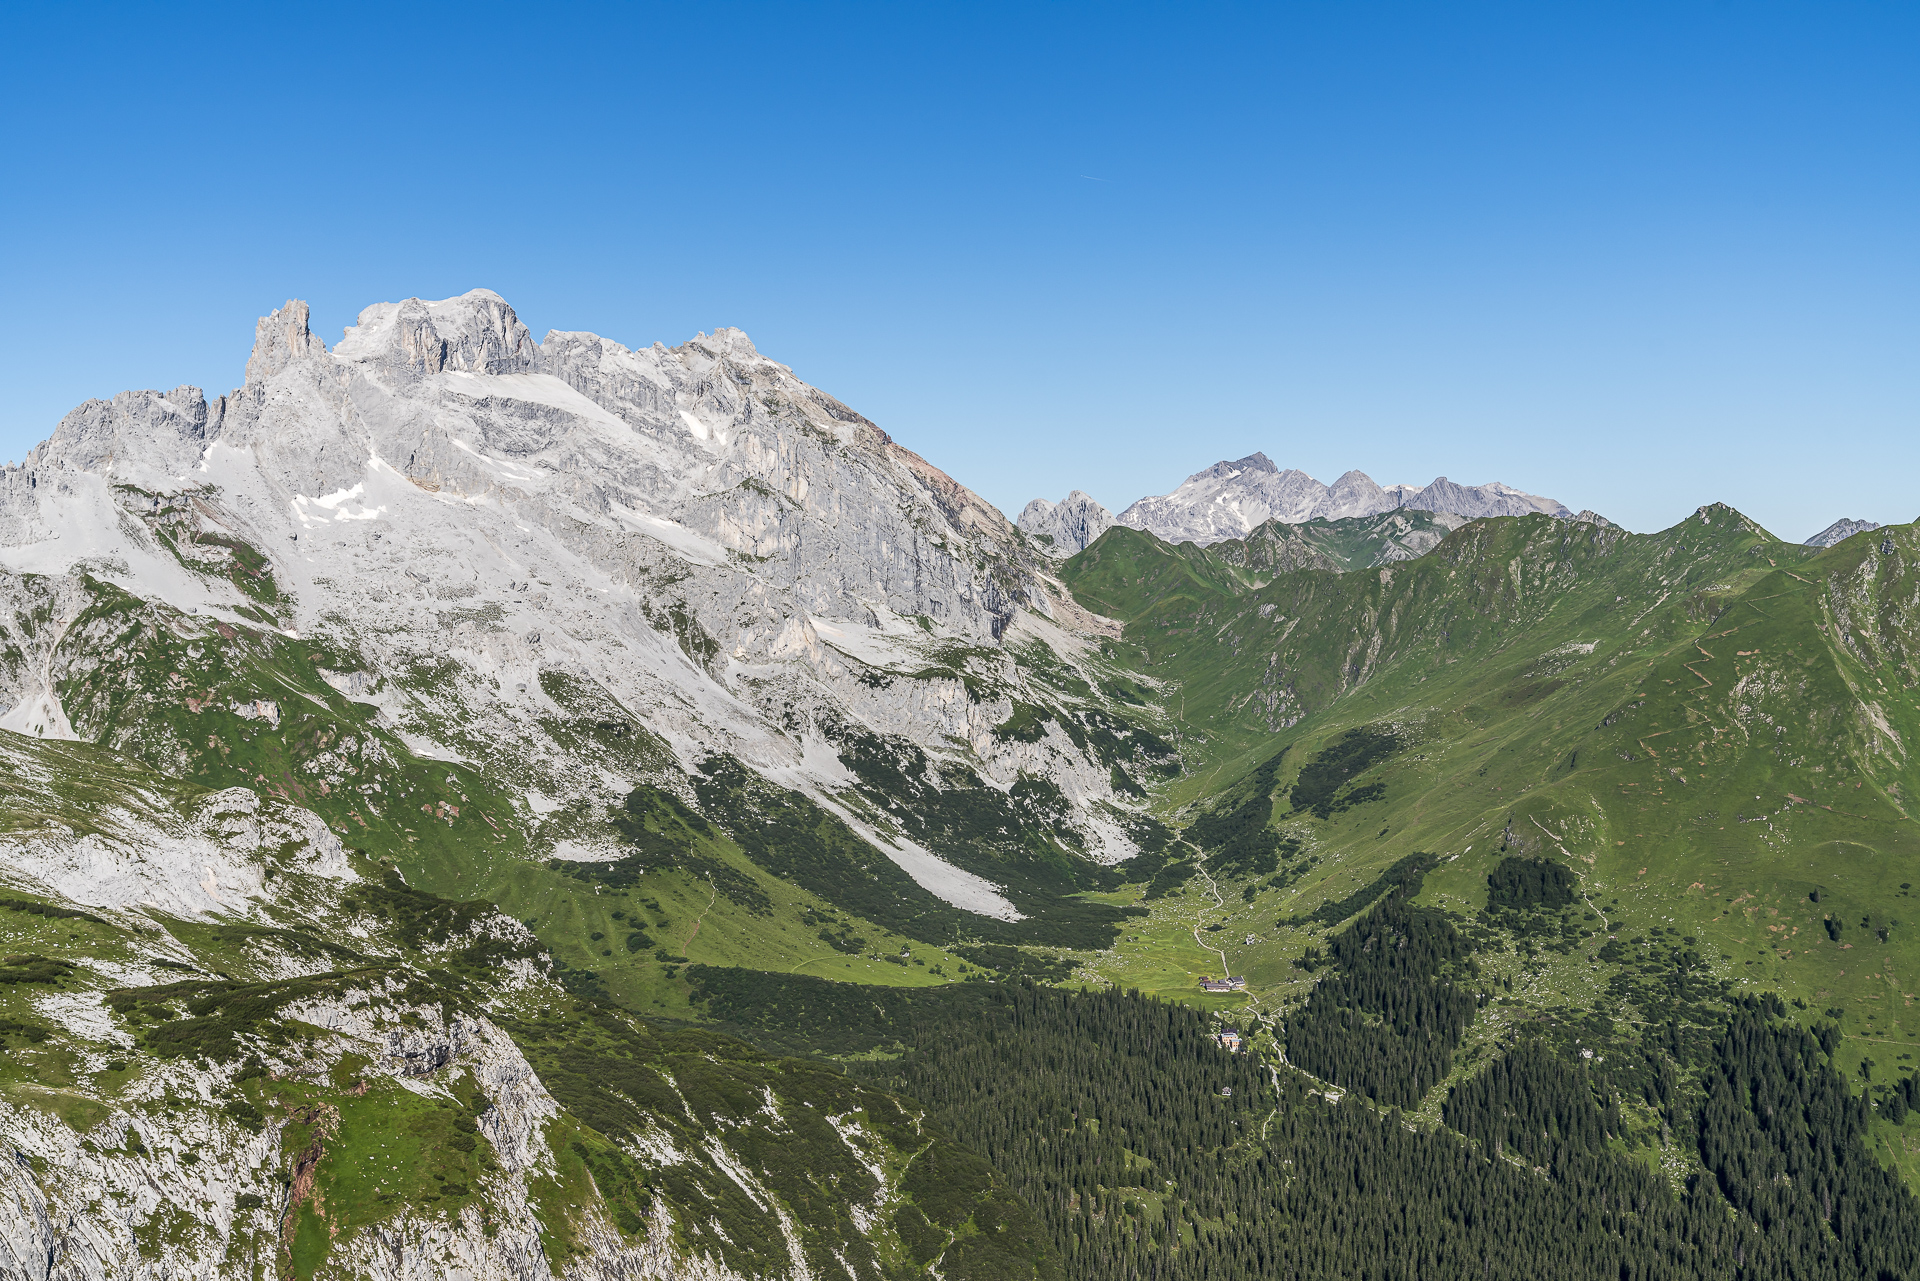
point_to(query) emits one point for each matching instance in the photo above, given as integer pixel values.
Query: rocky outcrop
(281, 338)
(1229, 499)
(1840, 531)
(445, 574)
(1064, 528)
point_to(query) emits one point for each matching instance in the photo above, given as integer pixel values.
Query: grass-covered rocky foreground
(360, 1078)
(1567, 869)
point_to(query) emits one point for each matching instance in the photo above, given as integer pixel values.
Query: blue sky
(1637, 257)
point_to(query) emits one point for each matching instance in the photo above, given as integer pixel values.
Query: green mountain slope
(1708, 729)
(1560, 845)
(358, 1054)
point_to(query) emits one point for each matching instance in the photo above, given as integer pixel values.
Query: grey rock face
(1840, 531)
(1230, 499)
(280, 339)
(1475, 501)
(738, 560)
(1066, 527)
(701, 547)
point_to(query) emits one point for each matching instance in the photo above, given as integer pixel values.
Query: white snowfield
(721, 551)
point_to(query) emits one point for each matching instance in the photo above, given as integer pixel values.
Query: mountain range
(509, 808)
(1231, 499)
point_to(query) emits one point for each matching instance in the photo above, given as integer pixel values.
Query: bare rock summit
(1230, 499)
(1841, 530)
(1068, 526)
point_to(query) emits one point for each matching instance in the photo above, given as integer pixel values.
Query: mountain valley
(518, 809)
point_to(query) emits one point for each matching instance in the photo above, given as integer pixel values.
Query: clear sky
(1636, 257)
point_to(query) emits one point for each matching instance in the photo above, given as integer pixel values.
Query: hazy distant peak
(1841, 530)
(1065, 527)
(1229, 499)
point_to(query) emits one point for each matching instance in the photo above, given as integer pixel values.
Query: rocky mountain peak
(1841, 530)
(699, 498)
(1061, 529)
(1230, 499)
(725, 341)
(280, 338)
(476, 333)
(1254, 462)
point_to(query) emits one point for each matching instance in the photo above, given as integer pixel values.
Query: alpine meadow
(505, 808)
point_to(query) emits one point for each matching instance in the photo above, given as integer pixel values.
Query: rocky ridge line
(1231, 499)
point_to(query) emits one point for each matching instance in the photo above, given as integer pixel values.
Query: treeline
(1520, 884)
(1405, 877)
(789, 835)
(1388, 1022)
(1786, 1142)
(1317, 789)
(1105, 1113)
(1240, 840)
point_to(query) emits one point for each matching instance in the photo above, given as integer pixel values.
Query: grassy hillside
(1599, 819)
(1706, 728)
(333, 1058)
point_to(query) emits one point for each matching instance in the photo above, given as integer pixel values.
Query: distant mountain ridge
(1841, 530)
(1232, 499)
(1067, 526)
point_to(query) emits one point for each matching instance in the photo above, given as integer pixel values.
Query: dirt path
(1276, 1106)
(1605, 924)
(1226, 969)
(713, 893)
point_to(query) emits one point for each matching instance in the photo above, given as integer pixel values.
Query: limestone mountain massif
(478, 806)
(308, 681)
(721, 551)
(1066, 527)
(1230, 499)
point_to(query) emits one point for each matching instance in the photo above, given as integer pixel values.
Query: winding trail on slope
(713, 892)
(1226, 969)
(1275, 1072)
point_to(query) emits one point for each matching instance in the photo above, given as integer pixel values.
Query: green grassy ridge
(164, 688)
(1351, 542)
(1623, 764)
(675, 916)
(1250, 661)
(451, 827)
